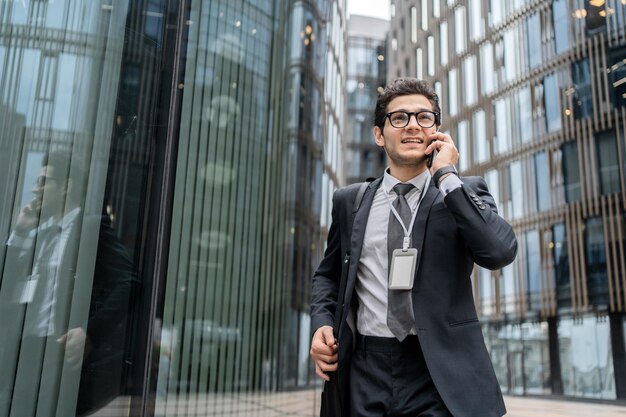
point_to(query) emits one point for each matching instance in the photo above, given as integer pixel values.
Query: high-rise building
(165, 172)
(365, 76)
(533, 92)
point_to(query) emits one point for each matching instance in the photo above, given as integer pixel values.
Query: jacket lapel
(419, 227)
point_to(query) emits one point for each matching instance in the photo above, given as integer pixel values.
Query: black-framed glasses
(424, 118)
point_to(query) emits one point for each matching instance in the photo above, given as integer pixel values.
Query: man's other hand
(324, 352)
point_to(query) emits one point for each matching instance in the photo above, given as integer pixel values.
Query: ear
(378, 136)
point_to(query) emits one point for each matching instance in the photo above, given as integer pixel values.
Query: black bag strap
(344, 277)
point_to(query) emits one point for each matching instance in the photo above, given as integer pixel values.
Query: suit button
(482, 206)
(473, 195)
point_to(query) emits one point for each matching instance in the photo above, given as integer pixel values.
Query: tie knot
(402, 189)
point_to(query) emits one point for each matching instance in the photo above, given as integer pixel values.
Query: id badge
(402, 271)
(27, 292)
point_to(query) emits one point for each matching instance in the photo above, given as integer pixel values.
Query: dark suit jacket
(450, 234)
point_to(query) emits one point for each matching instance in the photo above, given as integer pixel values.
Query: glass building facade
(166, 172)
(366, 73)
(533, 92)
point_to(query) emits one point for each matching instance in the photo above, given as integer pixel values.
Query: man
(408, 343)
(45, 292)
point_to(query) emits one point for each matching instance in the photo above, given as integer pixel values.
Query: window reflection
(586, 357)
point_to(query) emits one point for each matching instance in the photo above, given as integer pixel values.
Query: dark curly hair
(404, 87)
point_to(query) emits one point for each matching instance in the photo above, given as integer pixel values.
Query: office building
(365, 76)
(533, 92)
(166, 169)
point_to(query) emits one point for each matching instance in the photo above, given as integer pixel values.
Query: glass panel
(536, 358)
(586, 357)
(476, 20)
(79, 118)
(453, 92)
(561, 266)
(481, 145)
(459, 30)
(463, 145)
(533, 269)
(582, 98)
(571, 172)
(431, 55)
(533, 33)
(443, 42)
(487, 80)
(469, 80)
(517, 189)
(552, 102)
(542, 181)
(608, 162)
(560, 16)
(595, 256)
(617, 78)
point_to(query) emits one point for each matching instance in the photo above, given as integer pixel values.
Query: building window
(443, 41)
(525, 128)
(459, 30)
(414, 24)
(533, 40)
(452, 92)
(463, 143)
(419, 64)
(493, 183)
(542, 181)
(571, 172)
(586, 357)
(552, 103)
(496, 13)
(487, 80)
(582, 100)
(561, 266)
(431, 55)
(476, 20)
(560, 16)
(469, 79)
(595, 256)
(436, 8)
(617, 76)
(424, 12)
(608, 162)
(502, 124)
(481, 145)
(533, 270)
(516, 189)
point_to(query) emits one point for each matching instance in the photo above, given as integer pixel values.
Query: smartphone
(429, 160)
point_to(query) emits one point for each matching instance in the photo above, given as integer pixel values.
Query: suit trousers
(389, 378)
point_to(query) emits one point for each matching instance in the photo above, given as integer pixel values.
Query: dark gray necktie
(399, 306)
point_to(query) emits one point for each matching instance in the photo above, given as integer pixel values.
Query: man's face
(49, 194)
(405, 146)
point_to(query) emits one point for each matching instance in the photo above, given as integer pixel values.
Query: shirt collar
(419, 181)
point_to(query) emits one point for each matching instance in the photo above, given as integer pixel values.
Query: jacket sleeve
(326, 279)
(488, 236)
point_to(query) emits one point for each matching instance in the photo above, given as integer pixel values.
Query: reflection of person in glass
(41, 296)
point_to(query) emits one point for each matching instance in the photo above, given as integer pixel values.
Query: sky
(375, 8)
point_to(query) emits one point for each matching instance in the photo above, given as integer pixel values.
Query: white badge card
(402, 271)
(27, 289)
